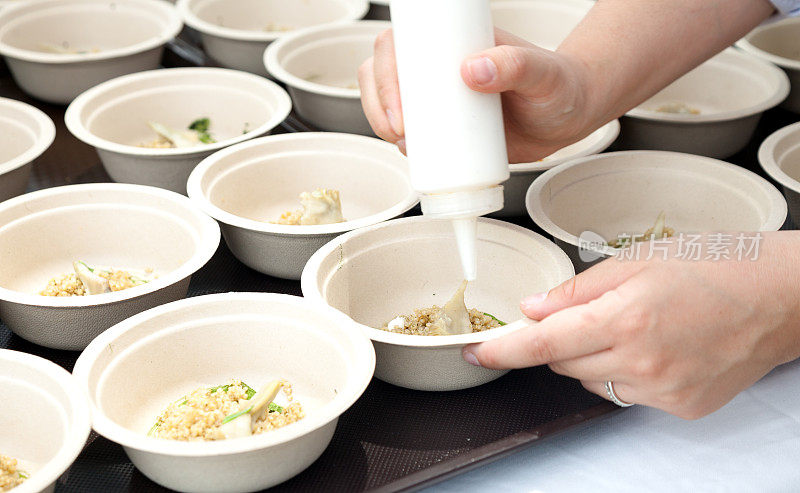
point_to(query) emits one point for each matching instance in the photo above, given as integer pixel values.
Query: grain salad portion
(427, 321)
(232, 410)
(88, 280)
(10, 474)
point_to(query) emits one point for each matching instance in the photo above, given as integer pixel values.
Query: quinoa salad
(10, 475)
(203, 414)
(423, 320)
(87, 280)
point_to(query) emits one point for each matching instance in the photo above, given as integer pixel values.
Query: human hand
(678, 335)
(543, 94)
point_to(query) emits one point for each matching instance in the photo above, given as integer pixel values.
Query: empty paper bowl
(779, 156)
(248, 185)
(545, 23)
(120, 226)
(711, 111)
(57, 49)
(138, 367)
(594, 199)
(319, 66)
(523, 174)
(113, 117)
(778, 43)
(379, 10)
(45, 419)
(25, 133)
(236, 32)
(375, 274)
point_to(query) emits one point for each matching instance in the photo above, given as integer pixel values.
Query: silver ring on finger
(613, 395)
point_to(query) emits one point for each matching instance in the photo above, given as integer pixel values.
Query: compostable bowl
(779, 156)
(113, 117)
(135, 369)
(57, 49)
(374, 274)
(236, 32)
(730, 91)
(122, 226)
(248, 185)
(25, 133)
(523, 174)
(45, 418)
(545, 23)
(779, 43)
(319, 66)
(586, 202)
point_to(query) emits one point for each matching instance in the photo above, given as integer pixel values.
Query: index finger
(570, 333)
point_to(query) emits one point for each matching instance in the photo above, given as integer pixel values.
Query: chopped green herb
(235, 415)
(85, 265)
(201, 126)
(22, 475)
(248, 389)
(246, 128)
(495, 318)
(153, 428)
(274, 408)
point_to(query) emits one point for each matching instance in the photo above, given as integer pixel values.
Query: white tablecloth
(750, 445)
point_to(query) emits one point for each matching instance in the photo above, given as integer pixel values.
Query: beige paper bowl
(779, 156)
(545, 23)
(319, 66)
(135, 369)
(25, 133)
(113, 118)
(250, 184)
(731, 90)
(523, 174)
(778, 43)
(236, 32)
(126, 226)
(45, 418)
(374, 274)
(623, 193)
(130, 36)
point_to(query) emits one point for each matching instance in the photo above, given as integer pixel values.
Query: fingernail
(401, 144)
(470, 358)
(482, 70)
(533, 301)
(393, 122)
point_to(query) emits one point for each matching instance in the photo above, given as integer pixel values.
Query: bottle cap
(462, 204)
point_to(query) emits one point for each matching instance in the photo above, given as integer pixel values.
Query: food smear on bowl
(659, 231)
(232, 410)
(11, 475)
(452, 319)
(322, 206)
(197, 133)
(65, 49)
(276, 27)
(90, 280)
(678, 108)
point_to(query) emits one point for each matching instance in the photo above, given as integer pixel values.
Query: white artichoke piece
(322, 206)
(94, 284)
(178, 138)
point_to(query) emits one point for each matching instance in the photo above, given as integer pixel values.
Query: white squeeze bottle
(455, 139)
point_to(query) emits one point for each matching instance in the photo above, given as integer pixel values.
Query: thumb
(581, 289)
(531, 70)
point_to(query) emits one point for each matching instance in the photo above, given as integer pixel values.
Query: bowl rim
(158, 9)
(207, 239)
(47, 134)
(768, 70)
(198, 196)
(74, 123)
(356, 10)
(533, 203)
(309, 287)
(343, 400)
(745, 45)
(610, 132)
(766, 157)
(78, 430)
(335, 32)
